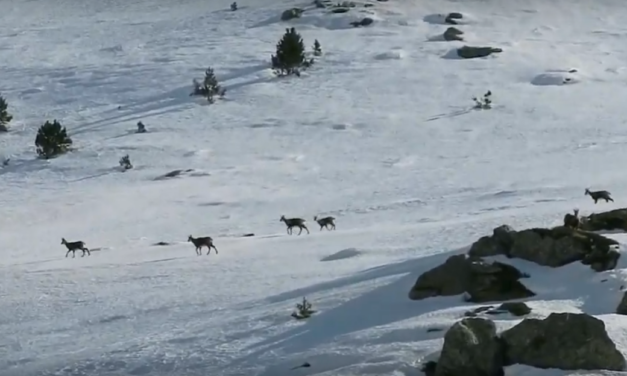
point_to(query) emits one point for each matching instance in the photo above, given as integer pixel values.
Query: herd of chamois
(207, 241)
(572, 220)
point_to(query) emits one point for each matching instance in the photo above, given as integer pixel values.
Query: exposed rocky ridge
(566, 341)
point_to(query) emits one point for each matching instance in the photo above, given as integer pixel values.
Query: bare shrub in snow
(484, 103)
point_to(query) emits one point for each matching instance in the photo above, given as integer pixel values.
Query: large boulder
(567, 341)
(549, 247)
(480, 280)
(605, 221)
(453, 33)
(469, 52)
(471, 348)
(291, 14)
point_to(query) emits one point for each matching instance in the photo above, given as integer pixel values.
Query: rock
(499, 243)
(468, 52)
(476, 311)
(453, 34)
(549, 247)
(291, 14)
(515, 308)
(429, 367)
(482, 281)
(622, 306)
(567, 341)
(320, 3)
(471, 348)
(451, 17)
(605, 221)
(339, 10)
(364, 22)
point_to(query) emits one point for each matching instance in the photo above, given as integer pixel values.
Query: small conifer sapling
(125, 163)
(52, 140)
(303, 310)
(141, 128)
(290, 54)
(5, 117)
(234, 6)
(484, 103)
(317, 49)
(209, 88)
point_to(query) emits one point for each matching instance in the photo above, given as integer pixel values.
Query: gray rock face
(605, 221)
(566, 341)
(468, 52)
(471, 348)
(481, 280)
(291, 14)
(451, 17)
(549, 247)
(622, 306)
(364, 22)
(453, 34)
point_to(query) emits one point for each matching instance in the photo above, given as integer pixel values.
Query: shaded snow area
(380, 133)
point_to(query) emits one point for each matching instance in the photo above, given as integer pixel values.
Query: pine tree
(303, 310)
(52, 140)
(5, 117)
(234, 6)
(484, 103)
(290, 54)
(317, 49)
(209, 88)
(125, 162)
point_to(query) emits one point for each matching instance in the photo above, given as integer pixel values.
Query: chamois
(326, 222)
(206, 241)
(73, 246)
(294, 222)
(599, 195)
(572, 220)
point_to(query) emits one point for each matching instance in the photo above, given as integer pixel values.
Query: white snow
(380, 133)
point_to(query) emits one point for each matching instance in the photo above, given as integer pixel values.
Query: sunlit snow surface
(380, 133)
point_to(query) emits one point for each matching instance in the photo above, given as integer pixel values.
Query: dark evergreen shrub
(290, 54)
(209, 87)
(52, 140)
(5, 117)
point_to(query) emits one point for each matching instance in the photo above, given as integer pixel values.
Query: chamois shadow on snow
(342, 255)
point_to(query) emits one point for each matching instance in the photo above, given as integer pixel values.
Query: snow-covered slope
(379, 133)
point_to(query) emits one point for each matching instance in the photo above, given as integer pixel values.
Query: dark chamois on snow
(599, 195)
(206, 241)
(73, 246)
(294, 222)
(326, 222)
(572, 220)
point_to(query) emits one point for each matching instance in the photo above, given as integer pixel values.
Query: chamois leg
(333, 226)
(214, 247)
(68, 252)
(609, 199)
(303, 227)
(595, 200)
(322, 227)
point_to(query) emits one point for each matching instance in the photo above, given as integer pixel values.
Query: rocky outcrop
(452, 34)
(480, 280)
(622, 306)
(452, 17)
(514, 308)
(468, 52)
(291, 14)
(605, 221)
(364, 22)
(567, 341)
(549, 247)
(471, 348)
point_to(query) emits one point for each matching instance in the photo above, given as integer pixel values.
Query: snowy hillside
(379, 133)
